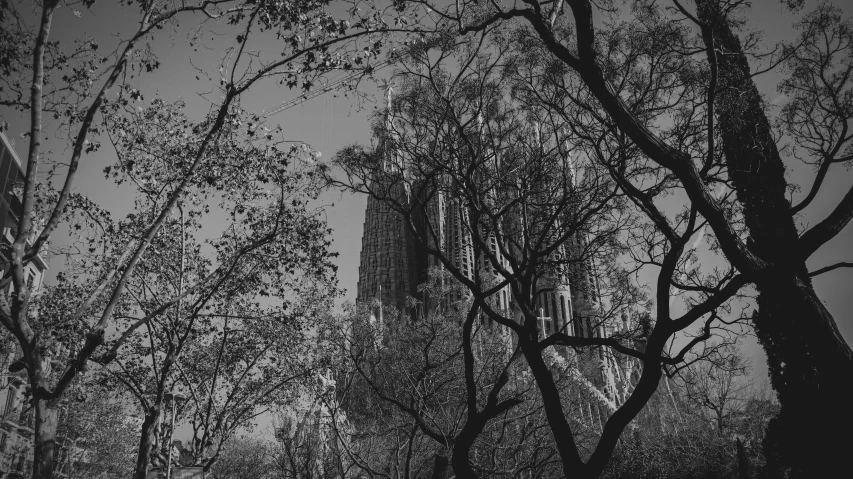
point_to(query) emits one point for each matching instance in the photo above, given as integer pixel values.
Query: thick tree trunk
(461, 450)
(810, 364)
(612, 427)
(439, 468)
(811, 373)
(561, 430)
(147, 439)
(46, 416)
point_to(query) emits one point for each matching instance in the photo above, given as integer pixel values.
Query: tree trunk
(742, 461)
(720, 422)
(46, 416)
(462, 448)
(147, 439)
(810, 364)
(560, 429)
(811, 374)
(439, 469)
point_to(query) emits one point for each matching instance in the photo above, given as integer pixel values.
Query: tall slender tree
(77, 82)
(271, 256)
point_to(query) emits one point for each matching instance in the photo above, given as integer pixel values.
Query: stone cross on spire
(544, 324)
(536, 128)
(571, 161)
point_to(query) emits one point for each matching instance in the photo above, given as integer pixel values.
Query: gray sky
(330, 123)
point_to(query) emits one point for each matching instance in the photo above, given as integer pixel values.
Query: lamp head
(175, 395)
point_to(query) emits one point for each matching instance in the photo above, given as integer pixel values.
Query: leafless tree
(719, 384)
(542, 205)
(673, 89)
(402, 391)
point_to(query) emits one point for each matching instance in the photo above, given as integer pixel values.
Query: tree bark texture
(459, 460)
(613, 427)
(439, 469)
(810, 364)
(561, 430)
(46, 416)
(743, 469)
(147, 439)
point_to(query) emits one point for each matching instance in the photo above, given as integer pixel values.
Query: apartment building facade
(16, 417)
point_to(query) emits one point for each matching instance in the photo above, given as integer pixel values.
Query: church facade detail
(394, 263)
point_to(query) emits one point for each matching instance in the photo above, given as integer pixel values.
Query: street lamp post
(174, 396)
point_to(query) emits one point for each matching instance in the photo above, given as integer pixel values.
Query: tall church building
(394, 263)
(389, 267)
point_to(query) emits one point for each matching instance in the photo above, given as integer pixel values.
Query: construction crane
(333, 85)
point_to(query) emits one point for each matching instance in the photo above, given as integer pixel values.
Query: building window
(10, 401)
(554, 312)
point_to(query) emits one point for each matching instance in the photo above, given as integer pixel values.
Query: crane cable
(329, 86)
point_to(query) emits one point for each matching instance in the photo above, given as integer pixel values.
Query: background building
(16, 444)
(393, 263)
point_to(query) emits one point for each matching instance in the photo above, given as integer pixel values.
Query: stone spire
(387, 272)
